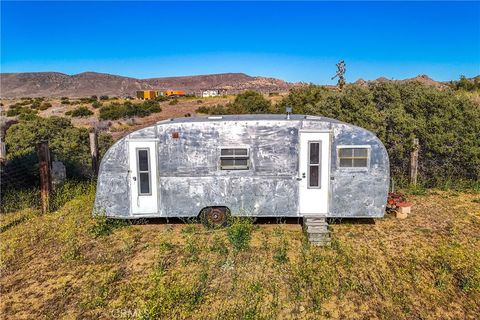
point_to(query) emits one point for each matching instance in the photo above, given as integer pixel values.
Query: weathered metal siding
(113, 184)
(358, 192)
(190, 178)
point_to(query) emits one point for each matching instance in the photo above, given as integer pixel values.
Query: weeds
(17, 199)
(104, 226)
(218, 245)
(158, 271)
(280, 251)
(239, 233)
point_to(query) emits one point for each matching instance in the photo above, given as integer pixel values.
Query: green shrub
(161, 98)
(173, 102)
(103, 97)
(203, 109)
(17, 111)
(97, 104)
(249, 102)
(215, 110)
(239, 233)
(104, 226)
(45, 106)
(445, 123)
(115, 111)
(69, 144)
(36, 105)
(13, 199)
(81, 112)
(466, 84)
(280, 251)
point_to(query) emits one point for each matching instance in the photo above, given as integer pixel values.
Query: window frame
(139, 190)
(356, 146)
(319, 164)
(234, 157)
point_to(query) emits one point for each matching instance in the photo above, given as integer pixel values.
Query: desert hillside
(55, 84)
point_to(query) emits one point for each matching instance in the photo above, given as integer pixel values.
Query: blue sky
(292, 41)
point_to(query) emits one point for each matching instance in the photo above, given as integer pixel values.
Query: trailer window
(143, 165)
(314, 155)
(234, 158)
(353, 157)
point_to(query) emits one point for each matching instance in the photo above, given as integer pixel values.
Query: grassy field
(69, 265)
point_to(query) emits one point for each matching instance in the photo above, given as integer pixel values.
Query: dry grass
(68, 265)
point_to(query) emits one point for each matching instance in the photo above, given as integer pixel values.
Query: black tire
(215, 217)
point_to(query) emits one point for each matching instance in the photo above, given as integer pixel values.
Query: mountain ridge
(51, 84)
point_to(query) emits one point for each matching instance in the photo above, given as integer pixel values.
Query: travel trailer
(252, 165)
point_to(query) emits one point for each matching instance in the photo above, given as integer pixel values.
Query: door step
(316, 230)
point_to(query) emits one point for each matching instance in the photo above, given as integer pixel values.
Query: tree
(250, 102)
(69, 144)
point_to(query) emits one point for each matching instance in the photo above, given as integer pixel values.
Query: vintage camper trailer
(260, 165)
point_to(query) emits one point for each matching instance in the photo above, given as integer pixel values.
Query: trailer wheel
(214, 217)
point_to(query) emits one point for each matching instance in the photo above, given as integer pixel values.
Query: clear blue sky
(292, 41)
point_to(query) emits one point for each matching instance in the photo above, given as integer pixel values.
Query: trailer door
(143, 177)
(314, 170)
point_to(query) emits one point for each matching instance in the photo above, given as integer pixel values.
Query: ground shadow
(256, 220)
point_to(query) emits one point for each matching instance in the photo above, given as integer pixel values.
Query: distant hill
(423, 78)
(51, 84)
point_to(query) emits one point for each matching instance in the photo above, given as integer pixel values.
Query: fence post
(414, 162)
(94, 150)
(43, 153)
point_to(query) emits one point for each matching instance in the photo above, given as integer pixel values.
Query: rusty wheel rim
(216, 216)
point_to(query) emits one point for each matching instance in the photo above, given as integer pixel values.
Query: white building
(210, 93)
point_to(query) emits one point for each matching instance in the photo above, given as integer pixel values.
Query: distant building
(213, 93)
(148, 94)
(174, 93)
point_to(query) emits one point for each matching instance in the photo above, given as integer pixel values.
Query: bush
(446, 124)
(69, 144)
(466, 84)
(18, 111)
(215, 110)
(45, 106)
(250, 102)
(173, 102)
(97, 104)
(104, 226)
(203, 109)
(239, 233)
(116, 111)
(103, 97)
(81, 112)
(161, 98)
(36, 105)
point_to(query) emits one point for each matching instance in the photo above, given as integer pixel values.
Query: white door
(143, 176)
(314, 171)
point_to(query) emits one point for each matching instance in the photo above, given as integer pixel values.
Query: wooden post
(414, 162)
(43, 153)
(94, 151)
